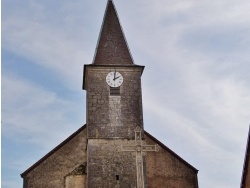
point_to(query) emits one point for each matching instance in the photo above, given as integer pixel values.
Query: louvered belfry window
(115, 91)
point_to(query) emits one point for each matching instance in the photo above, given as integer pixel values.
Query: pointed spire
(112, 48)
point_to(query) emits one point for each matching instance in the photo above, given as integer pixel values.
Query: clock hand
(117, 77)
(114, 75)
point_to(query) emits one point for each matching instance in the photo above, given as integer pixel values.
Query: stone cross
(139, 148)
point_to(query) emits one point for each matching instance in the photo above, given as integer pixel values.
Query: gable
(63, 161)
(166, 169)
(152, 140)
(60, 164)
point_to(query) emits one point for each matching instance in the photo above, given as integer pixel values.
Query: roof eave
(169, 150)
(52, 151)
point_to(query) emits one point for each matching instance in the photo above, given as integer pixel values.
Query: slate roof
(81, 129)
(112, 48)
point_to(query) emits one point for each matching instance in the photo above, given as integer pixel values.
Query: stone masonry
(113, 116)
(54, 169)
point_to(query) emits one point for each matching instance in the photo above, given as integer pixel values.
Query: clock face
(114, 79)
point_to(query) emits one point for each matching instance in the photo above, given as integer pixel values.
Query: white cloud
(204, 120)
(34, 113)
(195, 85)
(52, 37)
(46, 46)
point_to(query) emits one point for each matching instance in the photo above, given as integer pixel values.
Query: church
(112, 150)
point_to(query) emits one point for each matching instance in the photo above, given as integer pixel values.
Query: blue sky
(196, 92)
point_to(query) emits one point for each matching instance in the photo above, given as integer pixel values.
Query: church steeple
(112, 48)
(113, 84)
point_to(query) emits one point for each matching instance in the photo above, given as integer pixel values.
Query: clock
(114, 79)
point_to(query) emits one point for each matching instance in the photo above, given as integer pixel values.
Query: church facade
(112, 150)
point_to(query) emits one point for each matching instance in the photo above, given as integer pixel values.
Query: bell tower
(114, 107)
(113, 84)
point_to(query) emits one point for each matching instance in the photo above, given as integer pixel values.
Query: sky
(195, 86)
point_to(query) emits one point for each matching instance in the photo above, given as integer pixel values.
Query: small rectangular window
(115, 91)
(117, 178)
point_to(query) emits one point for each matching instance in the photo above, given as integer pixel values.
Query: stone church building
(112, 150)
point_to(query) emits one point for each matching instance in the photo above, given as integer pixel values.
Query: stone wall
(75, 181)
(52, 172)
(113, 116)
(164, 169)
(106, 161)
(108, 166)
